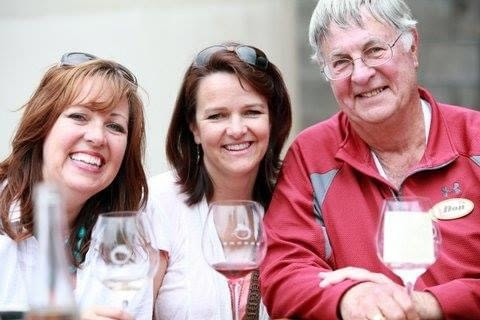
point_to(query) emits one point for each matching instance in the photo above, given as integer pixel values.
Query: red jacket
(326, 208)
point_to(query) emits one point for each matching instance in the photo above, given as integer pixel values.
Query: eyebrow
(251, 105)
(339, 53)
(115, 114)
(214, 109)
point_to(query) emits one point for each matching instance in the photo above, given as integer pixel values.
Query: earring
(198, 154)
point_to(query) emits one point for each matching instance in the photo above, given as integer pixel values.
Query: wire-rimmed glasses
(374, 55)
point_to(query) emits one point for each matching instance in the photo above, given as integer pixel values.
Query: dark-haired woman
(82, 130)
(231, 119)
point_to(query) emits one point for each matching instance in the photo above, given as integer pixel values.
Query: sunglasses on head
(76, 58)
(252, 56)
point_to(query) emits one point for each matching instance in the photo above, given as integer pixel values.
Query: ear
(414, 47)
(196, 135)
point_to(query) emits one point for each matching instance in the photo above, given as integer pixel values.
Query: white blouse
(191, 289)
(17, 265)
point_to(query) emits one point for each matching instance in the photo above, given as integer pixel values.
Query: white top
(427, 119)
(191, 289)
(17, 264)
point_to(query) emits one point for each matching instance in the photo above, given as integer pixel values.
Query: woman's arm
(162, 269)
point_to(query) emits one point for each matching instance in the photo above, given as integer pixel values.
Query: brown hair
(181, 148)
(22, 169)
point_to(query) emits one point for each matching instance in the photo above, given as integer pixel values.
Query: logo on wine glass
(121, 254)
(242, 232)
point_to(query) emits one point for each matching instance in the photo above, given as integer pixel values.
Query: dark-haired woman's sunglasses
(76, 58)
(247, 54)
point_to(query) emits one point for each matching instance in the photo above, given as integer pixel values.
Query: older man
(391, 138)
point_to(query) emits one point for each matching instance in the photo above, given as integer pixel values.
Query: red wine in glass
(234, 271)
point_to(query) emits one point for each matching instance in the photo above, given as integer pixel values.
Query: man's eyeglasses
(374, 55)
(247, 54)
(76, 58)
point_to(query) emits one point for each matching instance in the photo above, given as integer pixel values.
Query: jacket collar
(439, 151)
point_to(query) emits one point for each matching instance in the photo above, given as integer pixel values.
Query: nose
(236, 128)
(361, 72)
(95, 134)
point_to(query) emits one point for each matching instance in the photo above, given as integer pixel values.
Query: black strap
(253, 299)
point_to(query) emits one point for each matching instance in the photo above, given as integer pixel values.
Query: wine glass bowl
(408, 238)
(233, 242)
(125, 258)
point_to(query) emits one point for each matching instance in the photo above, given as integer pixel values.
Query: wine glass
(234, 243)
(125, 260)
(408, 238)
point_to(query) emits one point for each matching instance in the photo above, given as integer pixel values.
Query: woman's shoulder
(164, 177)
(17, 262)
(163, 184)
(6, 245)
(166, 202)
(166, 210)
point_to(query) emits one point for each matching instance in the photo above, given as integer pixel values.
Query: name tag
(452, 208)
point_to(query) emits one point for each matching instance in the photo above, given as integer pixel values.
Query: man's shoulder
(450, 111)
(458, 117)
(323, 131)
(455, 109)
(463, 125)
(316, 146)
(324, 137)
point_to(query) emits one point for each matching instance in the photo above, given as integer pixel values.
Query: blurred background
(157, 40)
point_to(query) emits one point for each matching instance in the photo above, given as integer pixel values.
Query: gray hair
(345, 13)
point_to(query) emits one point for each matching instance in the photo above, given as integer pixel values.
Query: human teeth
(96, 161)
(372, 93)
(237, 147)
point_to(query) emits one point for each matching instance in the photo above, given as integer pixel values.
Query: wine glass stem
(235, 286)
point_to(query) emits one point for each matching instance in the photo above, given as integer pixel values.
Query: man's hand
(376, 298)
(427, 305)
(352, 273)
(424, 303)
(369, 300)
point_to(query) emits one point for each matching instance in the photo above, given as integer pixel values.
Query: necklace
(79, 239)
(77, 254)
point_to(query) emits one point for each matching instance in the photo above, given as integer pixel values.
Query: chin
(376, 116)
(243, 171)
(88, 189)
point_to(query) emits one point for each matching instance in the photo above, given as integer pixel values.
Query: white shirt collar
(427, 119)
